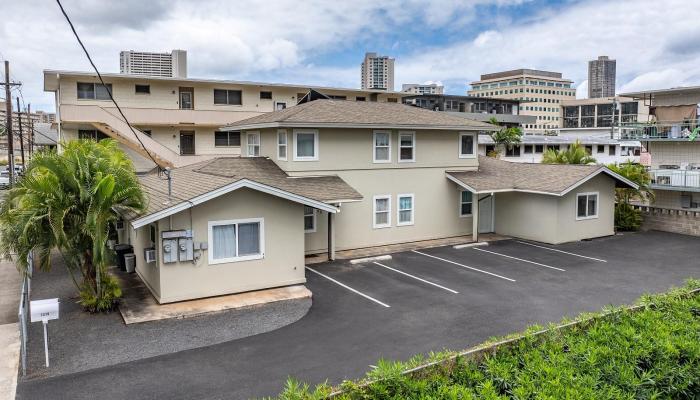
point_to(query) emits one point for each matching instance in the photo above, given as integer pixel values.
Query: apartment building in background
(506, 112)
(671, 135)
(169, 65)
(377, 72)
(426, 88)
(176, 118)
(540, 94)
(601, 77)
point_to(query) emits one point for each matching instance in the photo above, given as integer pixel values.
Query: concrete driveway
(416, 302)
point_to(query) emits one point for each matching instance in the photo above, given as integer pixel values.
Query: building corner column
(331, 236)
(475, 217)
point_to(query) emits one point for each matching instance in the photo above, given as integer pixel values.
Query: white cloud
(582, 90)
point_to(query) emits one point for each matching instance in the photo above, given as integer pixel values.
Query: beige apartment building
(177, 119)
(540, 94)
(331, 175)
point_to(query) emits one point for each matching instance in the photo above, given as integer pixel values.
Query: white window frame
(282, 133)
(474, 145)
(388, 211)
(459, 200)
(236, 222)
(248, 144)
(412, 147)
(597, 205)
(313, 214)
(374, 147)
(306, 131)
(398, 209)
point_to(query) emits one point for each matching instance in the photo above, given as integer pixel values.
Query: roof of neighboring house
(44, 134)
(358, 114)
(197, 183)
(495, 175)
(544, 139)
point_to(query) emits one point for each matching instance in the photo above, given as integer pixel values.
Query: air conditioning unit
(149, 255)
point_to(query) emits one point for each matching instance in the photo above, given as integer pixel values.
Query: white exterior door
(486, 214)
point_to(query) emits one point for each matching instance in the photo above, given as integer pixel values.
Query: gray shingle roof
(498, 175)
(344, 113)
(198, 179)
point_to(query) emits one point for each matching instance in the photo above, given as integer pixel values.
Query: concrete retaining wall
(674, 220)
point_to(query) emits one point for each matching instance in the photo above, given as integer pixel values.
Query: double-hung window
(467, 144)
(253, 144)
(236, 240)
(405, 209)
(465, 203)
(305, 145)
(586, 205)
(382, 211)
(282, 144)
(407, 147)
(94, 91)
(309, 219)
(227, 139)
(381, 147)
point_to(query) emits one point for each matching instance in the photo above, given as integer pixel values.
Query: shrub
(627, 218)
(652, 352)
(111, 293)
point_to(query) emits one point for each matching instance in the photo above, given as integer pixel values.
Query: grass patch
(651, 351)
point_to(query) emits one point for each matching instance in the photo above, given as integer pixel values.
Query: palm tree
(68, 202)
(626, 216)
(505, 137)
(574, 154)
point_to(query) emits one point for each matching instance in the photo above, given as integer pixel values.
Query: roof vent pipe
(170, 182)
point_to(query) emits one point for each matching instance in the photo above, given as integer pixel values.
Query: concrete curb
(9, 360)
(370, 259)
(467, 245)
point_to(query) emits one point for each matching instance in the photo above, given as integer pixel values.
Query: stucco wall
(149, 273)
(283, 262)
(526, 215)
(569, 229)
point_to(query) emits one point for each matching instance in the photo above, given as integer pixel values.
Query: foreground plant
(626, 216)
(652, 352)
(505, 138)
(67, 202)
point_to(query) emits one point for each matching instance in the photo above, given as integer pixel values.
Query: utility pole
(21, 138)
(8, 121)
(30, 135)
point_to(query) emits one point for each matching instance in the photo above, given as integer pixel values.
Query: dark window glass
(539, 148)
(360, 98)
(266, 95)
(143, 89)
(101, 92)
(527, 149)
(91, 134)
(227, 139)
(220, 96)
(513, 151)
(600, 148)
(86, 90)
(611, 150)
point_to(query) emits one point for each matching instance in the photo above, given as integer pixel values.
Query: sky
(313, 42)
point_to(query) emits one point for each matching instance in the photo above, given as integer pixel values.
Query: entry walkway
(10, 281)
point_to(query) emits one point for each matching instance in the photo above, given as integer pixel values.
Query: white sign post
(44, 310)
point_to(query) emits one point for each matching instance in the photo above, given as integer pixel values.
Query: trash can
(130, 262)
(120, 250)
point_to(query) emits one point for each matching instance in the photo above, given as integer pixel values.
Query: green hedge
(652, 352)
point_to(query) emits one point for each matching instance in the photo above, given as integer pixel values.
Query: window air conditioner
(149, 255)
(120, 225)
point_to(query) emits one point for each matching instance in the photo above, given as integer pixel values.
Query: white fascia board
(596, 173)
(352, 126)
(243, 183)
(471, 189)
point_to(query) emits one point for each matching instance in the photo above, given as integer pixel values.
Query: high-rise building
(377, 72)
(426, 88)
(601, 77)
(170, 65)
(539, 92)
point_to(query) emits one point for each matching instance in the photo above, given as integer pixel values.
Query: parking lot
(414, 303)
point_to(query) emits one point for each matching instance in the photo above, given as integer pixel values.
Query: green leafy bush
(111, 293)
(627, 218)
(652, 352)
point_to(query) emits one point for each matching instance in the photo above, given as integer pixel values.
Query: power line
(109, 91)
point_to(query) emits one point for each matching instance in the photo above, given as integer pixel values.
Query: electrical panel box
(170, 250)
(186, 249)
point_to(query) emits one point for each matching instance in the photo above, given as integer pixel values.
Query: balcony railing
(686, 130)
(680, 179)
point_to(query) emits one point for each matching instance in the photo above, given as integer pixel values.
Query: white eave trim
(354, 126)
(596, 173)
(243, 183)
(471, 189)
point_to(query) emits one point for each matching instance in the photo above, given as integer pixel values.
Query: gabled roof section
(198, 183)
(551, 179)
(358, 114)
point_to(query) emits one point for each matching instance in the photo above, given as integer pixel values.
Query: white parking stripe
(560, 251)
(464, 266)
(417, 278)
(349, 288)
(519, 259)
